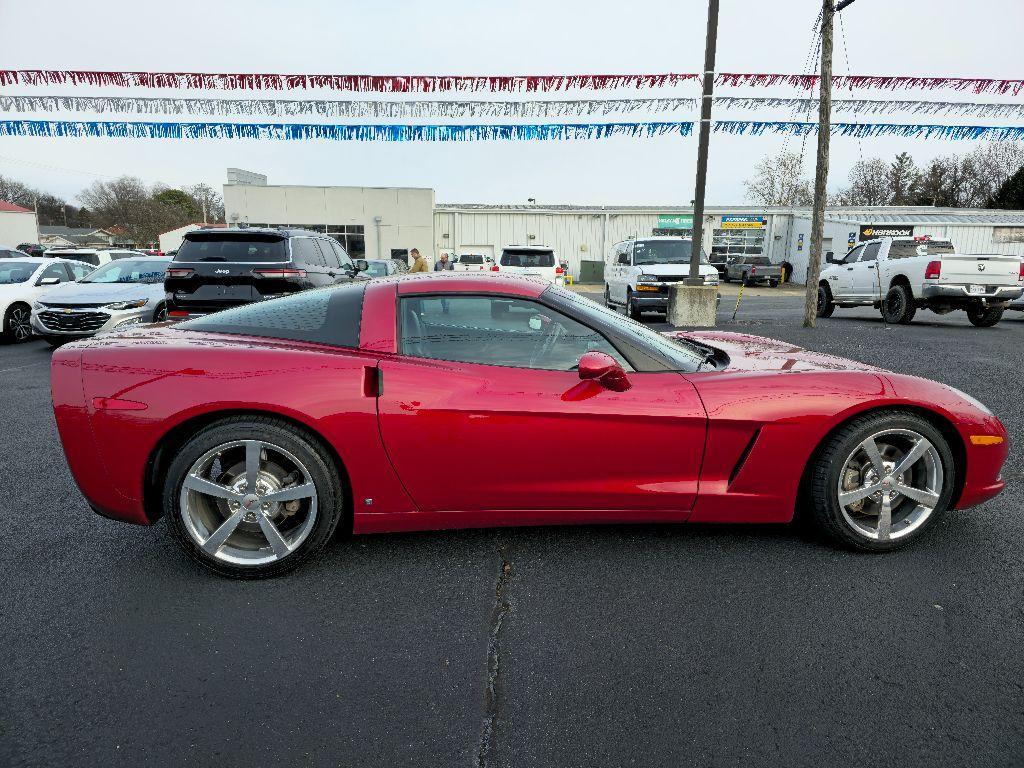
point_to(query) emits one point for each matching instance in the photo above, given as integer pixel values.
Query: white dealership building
(387, 222)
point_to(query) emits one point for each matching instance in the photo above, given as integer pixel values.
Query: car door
(335, 271)
(841, 279)
(613, 272)
(865, 273)
(306, 255)
(625, 262)
(477, 417)
(348, 268)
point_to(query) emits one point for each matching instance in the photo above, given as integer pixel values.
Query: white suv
(530, 261)
(638, 273)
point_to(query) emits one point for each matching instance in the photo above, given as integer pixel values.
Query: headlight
(647, 279)
(38, 307)
(127, 304)
(711, 279)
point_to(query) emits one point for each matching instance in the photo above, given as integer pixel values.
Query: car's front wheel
(984, 317)
(252, 497)
(17, 326)
(881, 480)
(632, 309)
(825, 304)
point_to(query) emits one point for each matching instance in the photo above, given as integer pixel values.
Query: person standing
(419, 263)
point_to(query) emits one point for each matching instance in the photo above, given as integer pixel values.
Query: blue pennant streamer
(531, 132)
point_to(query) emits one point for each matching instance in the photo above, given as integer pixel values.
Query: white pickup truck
(900, 275)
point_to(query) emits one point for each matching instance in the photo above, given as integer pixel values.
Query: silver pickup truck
(752, 270)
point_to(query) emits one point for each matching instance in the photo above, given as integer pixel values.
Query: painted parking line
(27, 365)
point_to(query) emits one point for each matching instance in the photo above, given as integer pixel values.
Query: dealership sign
(675, 221)
(744, 222)
(869, 231)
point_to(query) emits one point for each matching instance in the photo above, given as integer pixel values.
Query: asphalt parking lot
(642, 645)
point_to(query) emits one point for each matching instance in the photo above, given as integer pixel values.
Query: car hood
(757, 353)
(101, 293)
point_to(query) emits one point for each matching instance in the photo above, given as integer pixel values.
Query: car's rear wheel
(898, 307)
(881, 480)
(160, 314)
(825, 304)
(252, 497)
(17, 326)
(631, 306)
(984, 317)
(773, 283)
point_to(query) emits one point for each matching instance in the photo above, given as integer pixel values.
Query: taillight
(1020, 277)
(559, 271)
(177, 272)
(933, 270)
(177, 313)
(753, 270)
(279, 272)
(494, 268)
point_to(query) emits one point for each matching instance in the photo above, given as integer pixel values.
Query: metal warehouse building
(389, 222)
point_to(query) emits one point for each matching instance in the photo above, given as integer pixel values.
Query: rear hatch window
(531, 259)
(759, 261)
(906, 249)
(471, 259)
(250, 249)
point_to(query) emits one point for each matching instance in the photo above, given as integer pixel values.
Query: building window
(351, 237)
(737, 242)
(1008, 234)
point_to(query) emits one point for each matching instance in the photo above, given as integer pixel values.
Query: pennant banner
(535, 132)
(454, 109)
(495, 83)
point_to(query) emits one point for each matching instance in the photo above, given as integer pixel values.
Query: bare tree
(127, 202)
(208, 202)
(869, 184)
(780, 180)
(993, 164)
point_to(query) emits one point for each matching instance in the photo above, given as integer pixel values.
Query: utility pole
(704, 138)
(828, 12)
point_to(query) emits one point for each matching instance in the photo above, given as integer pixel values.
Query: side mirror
(830, 258)
(49, 281)
(361, 265)
(602, 368)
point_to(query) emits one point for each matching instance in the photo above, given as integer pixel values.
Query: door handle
(849, 269)
(332, 274)
(871, 266)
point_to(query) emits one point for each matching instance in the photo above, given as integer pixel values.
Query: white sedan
(23, 279)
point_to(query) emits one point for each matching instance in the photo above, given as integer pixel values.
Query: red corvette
(449, 400)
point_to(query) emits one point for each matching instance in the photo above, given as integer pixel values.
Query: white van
(530, 261)
(638, 273)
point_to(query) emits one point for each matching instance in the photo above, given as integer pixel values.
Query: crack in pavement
(492, 694)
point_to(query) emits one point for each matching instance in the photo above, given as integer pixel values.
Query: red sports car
(450, 400)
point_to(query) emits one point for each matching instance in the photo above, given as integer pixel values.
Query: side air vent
(743, 456)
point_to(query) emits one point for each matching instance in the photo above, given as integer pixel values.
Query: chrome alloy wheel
(20, 325)
(890, 484)
(248, 502)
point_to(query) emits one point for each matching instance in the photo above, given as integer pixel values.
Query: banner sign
(869, 231)
(744, 222)
(675, 221)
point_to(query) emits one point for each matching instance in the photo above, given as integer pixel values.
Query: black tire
(331, 502)
(745, 280)
(16, 328)
(826, 514)
(607, 295)
(160, 313)
(898, 307)
(725, 277)
(773, 283)
(825, 304)
(631, 308)
(984, 317)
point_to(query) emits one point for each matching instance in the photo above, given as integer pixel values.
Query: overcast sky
(886, 37)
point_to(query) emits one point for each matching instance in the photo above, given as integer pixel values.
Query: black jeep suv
(219, 268)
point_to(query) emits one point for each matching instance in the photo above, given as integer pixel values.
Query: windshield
(233, 247)
(687, 357)
(906, 249)
(664, 252)
(469, 258)
(522, 257)
(376, 268)
(12, 272)
(149, 272)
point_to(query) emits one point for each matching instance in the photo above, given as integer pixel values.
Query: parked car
(260, 429)
(23, 279)
(473, 262)
(1018, 304)
(912, 273)
(639, 272)
(751, 270)
(378, 267)
(93, 256)
(530, 261)
(719, 261)
(217, 269)
(115, 296)
(32, 249)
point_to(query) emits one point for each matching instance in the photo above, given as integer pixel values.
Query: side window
(304, 251)
(330, 256)
(343, 258)
(870, 252)
(54, 270)
(853, 255)
(495, 330)
(623, 257)
(79, 270)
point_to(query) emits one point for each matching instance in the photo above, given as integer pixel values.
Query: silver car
(118, 295)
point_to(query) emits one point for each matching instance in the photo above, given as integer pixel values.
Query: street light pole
(820, 168)
(704, 138)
